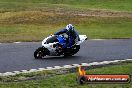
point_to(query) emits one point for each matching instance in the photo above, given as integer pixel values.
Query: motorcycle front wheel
(39, 54)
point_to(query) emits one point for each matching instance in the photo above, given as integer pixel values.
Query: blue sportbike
(52, 46)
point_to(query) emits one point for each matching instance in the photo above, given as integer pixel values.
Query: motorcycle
(51, 46)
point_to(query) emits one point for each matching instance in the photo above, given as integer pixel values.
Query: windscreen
(52, 39)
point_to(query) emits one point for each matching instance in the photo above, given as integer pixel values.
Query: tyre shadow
(59, 57)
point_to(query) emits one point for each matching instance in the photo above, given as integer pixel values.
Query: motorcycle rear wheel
(73, 51)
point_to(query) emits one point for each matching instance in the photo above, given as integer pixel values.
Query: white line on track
(98, 39)
(60, 67)
(17, 42)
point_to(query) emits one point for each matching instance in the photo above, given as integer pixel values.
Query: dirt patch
(56, 16)
(101, 13)
(84, 12)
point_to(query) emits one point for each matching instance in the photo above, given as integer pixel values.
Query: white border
(60, 67)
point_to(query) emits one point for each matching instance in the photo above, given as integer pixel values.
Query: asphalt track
(19, 56)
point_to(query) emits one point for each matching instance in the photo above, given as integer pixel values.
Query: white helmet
(70, 27)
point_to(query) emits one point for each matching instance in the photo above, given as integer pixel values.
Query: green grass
(69, 80)
(93, 27)
(117, 5)
(106, 29)
(10, 33)
(32, 20)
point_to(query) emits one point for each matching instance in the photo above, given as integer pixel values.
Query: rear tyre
(72, 51)
(75, 49)
(67, 54)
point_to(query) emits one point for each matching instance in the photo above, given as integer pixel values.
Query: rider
(72, 35)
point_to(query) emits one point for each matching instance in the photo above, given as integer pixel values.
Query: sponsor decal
(101, 78)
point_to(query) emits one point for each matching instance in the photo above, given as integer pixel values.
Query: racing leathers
(72, 37)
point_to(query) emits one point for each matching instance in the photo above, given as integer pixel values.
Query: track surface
(14, 57)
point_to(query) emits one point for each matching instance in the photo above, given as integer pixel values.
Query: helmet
(70, 27)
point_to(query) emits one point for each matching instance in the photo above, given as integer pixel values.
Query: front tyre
(39, 53)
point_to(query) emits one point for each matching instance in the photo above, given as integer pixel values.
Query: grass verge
(15, 5)
(68, 80)
(33, 20)
(93, 27)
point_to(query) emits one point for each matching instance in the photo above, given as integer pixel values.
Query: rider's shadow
(60, 57)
